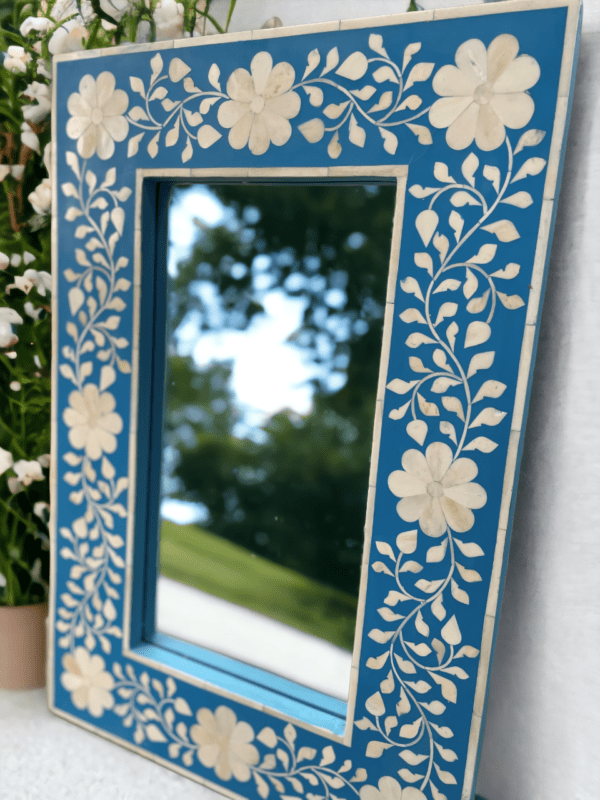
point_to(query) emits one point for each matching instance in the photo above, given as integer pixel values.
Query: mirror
(276, 297)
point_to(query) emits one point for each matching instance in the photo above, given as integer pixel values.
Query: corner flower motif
(97, 120)
(224, 743)
(87, 680)
(92, 421)
(436, 491)
(484, 93)
(390, 789)
(261, 105)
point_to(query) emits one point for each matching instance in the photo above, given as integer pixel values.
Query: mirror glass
(275, 316)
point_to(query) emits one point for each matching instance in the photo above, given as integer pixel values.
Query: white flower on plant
(93, 421)
(32, 311)
(27, 473)
(261, 105)
(4, 171)
(69, 37)
(39, 24)
(42, 69)
(390, 789)
(6, 460)
(17, 171)
(29, 138)
(484, 93)
(41, 197)
(16, 59)
(42, 510)
(4, 261)
(40, 92)
(97, 120)
(116, 8)
(15, 386)
(44, 459)
(168, 17)
(224, 744)
(30, 278)
(8, 318)
(437, 491)
(87, 680)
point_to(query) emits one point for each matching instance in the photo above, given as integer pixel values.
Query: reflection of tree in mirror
(295, 491)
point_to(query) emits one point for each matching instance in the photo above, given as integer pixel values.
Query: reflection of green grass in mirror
(207, 562)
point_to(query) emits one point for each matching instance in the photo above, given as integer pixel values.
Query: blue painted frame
(412, 728)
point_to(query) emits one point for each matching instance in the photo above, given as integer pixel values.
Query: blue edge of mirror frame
(415, 718)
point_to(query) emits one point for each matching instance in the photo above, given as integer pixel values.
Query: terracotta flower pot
(23, 646)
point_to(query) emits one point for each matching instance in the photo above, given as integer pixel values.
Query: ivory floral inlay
(224, 744)
(484, 93)
(437, 491)
(92, 421)
(97, 120)
(261, 105)
(87, 680)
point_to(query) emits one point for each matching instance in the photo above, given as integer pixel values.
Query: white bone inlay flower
(436, 491)
(261, 105)
(484, 93)
(97, 120)
(92, 421)
(224, 743)
(87, 680)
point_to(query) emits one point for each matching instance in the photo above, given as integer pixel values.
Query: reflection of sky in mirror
(269, 374)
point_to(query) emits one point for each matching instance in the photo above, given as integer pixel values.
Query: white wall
(541, 737)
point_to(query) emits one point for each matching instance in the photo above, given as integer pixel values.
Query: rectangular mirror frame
(433, 567)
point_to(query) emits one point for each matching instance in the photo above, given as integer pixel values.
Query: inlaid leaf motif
(409, 731)
(354, 67)
(503, 229)
(469, 168)
(478, 332)
(530, 138)
(440, 172)
(448, 688)
(390, 141)
(313, 61)
(409, 52)
(356, 134)
(445, 777)
(399, 413)
(458, 594)
(406, 543)
(533, 166)
(331, 62)
(426, 223)
(462, 198)
(492, 174)
(470, 549)
(481, 443)
(417, 430)
(489, 416)
(385, 74)
(479, 362)
(449, 285)
(519, 199)
(315, 96)
(510, 301)
(412, 758)
(376, 44)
